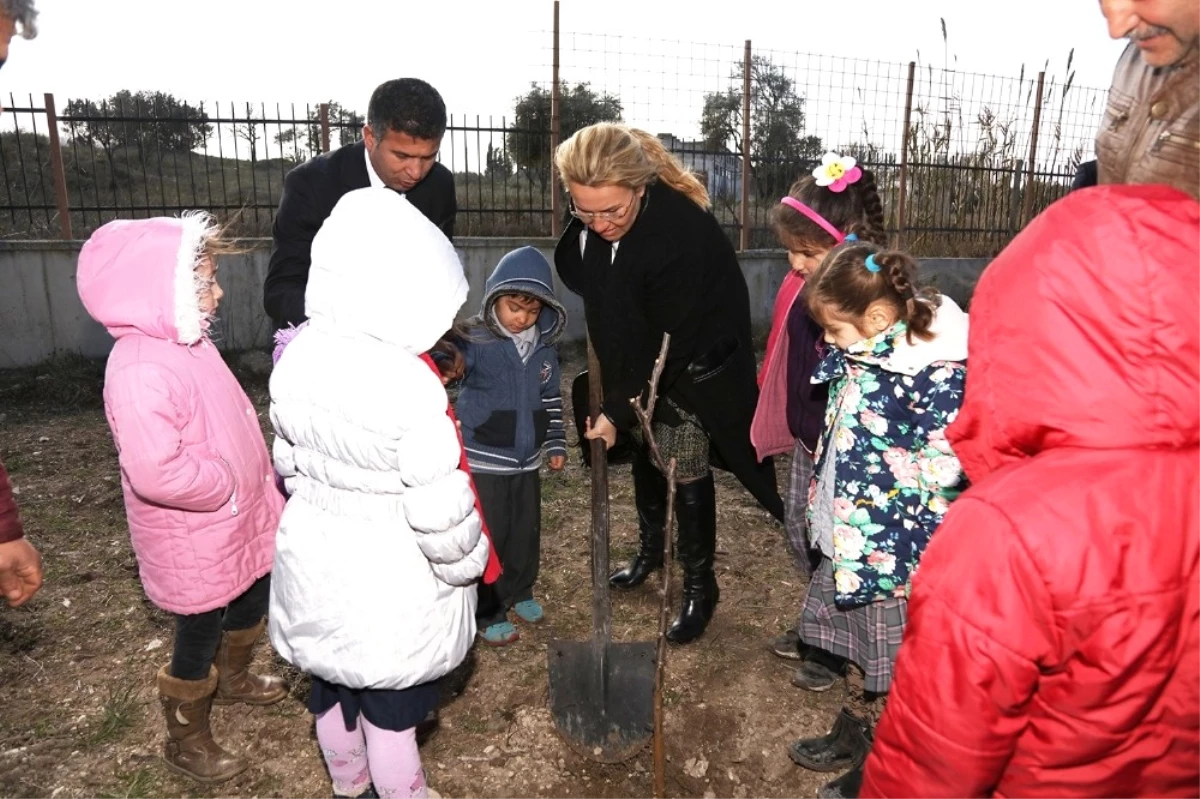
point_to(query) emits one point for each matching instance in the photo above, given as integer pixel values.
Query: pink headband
(792, 202)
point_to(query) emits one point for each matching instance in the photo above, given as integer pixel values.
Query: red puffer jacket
(1053, 645)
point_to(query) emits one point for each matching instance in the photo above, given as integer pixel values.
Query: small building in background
(719, 169)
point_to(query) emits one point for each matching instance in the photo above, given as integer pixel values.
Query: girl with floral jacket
(884, 475)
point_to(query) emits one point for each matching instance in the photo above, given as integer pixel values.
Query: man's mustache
(1147, 32)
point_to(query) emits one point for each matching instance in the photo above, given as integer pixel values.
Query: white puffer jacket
(379, 546)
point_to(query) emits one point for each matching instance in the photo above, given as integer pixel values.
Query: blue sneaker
(501, 633)
(529, 611)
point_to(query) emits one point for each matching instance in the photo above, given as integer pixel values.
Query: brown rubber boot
(235, 681)
(190, 749)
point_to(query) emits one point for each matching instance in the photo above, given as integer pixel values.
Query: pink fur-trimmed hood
(137, 277)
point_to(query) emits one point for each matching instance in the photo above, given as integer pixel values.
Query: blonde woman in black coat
(648, 257)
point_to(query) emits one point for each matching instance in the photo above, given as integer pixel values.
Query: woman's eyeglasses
(587, 217)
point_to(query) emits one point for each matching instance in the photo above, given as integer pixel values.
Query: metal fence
(962, 160)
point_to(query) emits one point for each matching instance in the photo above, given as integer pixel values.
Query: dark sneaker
(815, 677)
(788, 646)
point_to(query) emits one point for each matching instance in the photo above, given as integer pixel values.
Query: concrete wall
(40, 312)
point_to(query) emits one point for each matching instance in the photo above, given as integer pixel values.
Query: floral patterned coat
(895, 475)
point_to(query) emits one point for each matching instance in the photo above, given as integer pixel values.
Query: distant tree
(152, 122)
(528, 137)
(250, 131)
(173, 124)
(499, 163)
(345, 127)
(293, 139)
(90, 123)
(779, 148)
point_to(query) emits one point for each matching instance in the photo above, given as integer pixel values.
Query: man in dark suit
(406, 119)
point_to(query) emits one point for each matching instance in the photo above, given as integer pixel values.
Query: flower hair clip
(837, 171)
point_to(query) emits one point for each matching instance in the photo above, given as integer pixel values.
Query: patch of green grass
(471, 724)
(66, 381)
(14, 463)
(270, 784)
(41, 730)
(140, 784)
(19, 638)
(120, 714)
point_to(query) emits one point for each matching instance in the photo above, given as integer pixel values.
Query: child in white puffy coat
(379, 547)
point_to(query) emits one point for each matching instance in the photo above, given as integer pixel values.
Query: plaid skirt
(795, 510)
(868, 635)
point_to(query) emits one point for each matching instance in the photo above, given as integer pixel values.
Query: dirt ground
(78, 710)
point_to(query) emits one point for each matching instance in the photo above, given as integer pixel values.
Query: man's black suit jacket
(309, 193)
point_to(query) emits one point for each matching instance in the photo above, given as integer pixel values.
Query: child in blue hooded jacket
(510, 408)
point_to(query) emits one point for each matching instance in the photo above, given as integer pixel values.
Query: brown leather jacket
(1151, 128)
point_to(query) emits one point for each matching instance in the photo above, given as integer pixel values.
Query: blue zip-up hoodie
(511, 408)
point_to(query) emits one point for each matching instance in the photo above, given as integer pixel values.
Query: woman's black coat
(675, 271)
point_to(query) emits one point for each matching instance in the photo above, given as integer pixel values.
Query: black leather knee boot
(696, 510)
(650, 497)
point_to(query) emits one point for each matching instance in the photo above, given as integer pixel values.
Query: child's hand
(449, 360)
(453, 372)
(557, 462)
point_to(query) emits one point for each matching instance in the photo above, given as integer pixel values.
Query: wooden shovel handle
(601, 609)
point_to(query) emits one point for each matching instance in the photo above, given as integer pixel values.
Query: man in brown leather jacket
(1151, 129)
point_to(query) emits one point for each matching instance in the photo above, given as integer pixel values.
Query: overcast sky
(481, 55)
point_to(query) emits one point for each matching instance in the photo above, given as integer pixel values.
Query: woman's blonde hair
(609, 153)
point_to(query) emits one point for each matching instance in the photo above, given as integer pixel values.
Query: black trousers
(197, 636)
(512, 508)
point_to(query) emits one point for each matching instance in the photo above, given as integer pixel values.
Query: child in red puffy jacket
(1053, 644)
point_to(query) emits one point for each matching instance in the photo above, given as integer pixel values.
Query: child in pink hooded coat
(198, 482)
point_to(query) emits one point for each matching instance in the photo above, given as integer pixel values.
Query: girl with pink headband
(837, 202)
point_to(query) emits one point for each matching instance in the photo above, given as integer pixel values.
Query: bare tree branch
(645, 413)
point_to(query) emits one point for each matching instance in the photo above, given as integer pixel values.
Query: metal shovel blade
(601, 697)
(601, 693)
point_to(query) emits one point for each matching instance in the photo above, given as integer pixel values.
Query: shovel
(601, 693)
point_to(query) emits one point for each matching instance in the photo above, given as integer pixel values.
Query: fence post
(1014, 202)
(324, 127)
(56, 165)
(744, 233)
(1027, 206)
(555, 134)
(901, 218)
